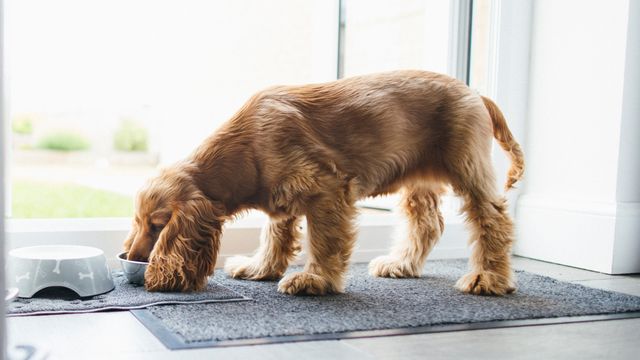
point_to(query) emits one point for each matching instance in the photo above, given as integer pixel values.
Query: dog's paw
(304, 283)
(243, 267)
(485, 283)
(388, 266)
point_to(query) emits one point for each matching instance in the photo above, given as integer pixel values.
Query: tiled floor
(118, 335)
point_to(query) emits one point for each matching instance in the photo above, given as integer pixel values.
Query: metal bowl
(82, 269)
(133, 270)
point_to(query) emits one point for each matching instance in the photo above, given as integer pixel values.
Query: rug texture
(125, 296)
(371, 304)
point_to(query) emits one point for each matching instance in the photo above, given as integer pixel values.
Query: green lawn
(31, 199)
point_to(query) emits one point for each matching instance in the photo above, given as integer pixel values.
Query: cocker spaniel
(313, 151)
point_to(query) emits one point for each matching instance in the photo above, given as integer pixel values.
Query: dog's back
(380, 129)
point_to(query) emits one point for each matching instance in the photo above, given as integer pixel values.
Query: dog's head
(177, 229)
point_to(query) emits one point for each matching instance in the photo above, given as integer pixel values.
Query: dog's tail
(504, 137)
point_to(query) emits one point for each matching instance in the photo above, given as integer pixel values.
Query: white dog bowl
(133, 270)
(82, 269)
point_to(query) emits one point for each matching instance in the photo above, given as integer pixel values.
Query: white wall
(577, 72)
(577, 142)
(627, 240)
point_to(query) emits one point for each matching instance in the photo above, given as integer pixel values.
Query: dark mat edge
(173, 341)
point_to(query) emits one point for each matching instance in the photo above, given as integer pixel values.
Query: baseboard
(626, 247)
(597, 236)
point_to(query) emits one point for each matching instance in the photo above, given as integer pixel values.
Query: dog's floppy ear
(187, 247)
(130, 237)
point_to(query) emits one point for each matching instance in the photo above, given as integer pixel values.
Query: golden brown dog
(313, 150)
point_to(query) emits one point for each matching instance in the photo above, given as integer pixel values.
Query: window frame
(508, 83)
(3, 235)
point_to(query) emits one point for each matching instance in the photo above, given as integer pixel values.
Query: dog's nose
(137, 257)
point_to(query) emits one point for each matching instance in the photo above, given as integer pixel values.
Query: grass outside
(33, 199)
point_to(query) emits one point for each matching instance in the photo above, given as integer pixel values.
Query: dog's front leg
(279, 244)
(331, 236)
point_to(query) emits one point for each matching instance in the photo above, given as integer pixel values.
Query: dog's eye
(155, 228)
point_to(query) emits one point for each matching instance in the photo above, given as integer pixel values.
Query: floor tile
(616, 339)
(293, 351)
(83, 334)
(623, 284)
(556, 271)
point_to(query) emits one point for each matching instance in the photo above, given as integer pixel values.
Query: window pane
(100, 93)
(480, 47)
(382, 35)
(386, 35)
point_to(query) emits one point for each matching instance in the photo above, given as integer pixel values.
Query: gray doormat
(125, 296)
(378, 307)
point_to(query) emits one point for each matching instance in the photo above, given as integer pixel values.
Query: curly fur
(313, 151)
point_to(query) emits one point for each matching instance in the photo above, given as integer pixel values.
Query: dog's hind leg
(331, 234)
(491, 233)
(425, 226)
(279, 244)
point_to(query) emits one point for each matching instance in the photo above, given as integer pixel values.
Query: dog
(313, 151)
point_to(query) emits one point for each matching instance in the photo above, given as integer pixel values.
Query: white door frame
(3, 332)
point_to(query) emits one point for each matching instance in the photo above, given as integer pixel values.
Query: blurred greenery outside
(64, 141)
(61, 198)
(22, 125)
(32, 199)
(130, 137)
